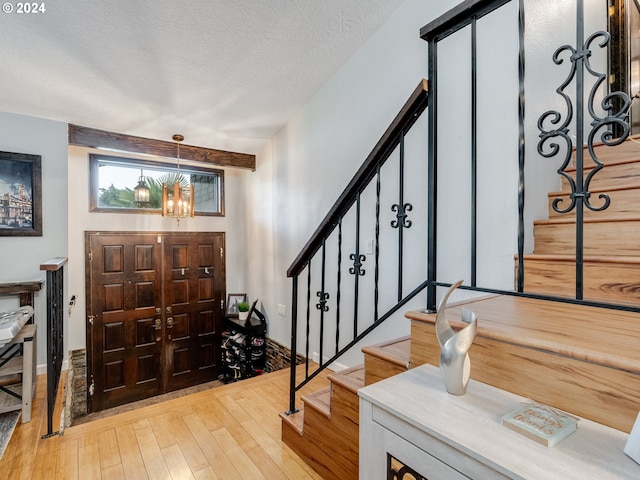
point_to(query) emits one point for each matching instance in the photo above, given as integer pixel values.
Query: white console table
(412, 419)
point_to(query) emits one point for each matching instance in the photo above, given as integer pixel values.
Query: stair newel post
(432, 171)
(553, 126)
(294, 342)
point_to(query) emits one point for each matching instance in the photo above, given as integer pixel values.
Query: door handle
(169, 310)
(170, 322)
(158, 324)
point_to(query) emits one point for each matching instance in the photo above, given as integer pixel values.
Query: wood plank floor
(228, 432)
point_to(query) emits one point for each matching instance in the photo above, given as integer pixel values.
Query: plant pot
(243, 315)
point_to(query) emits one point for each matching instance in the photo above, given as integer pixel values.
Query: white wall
(301, 174)
(21, 256)
(308, 163)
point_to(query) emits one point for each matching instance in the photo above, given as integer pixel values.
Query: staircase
(324, 432)
(577, 358)
(611, 247)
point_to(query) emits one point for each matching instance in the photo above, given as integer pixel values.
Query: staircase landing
(581, 359)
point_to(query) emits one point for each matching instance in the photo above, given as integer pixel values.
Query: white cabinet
(412, 419)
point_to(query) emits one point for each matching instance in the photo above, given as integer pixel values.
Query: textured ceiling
(227, 74)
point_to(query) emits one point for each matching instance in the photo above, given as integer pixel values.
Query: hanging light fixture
(141, 192)
(177, 202)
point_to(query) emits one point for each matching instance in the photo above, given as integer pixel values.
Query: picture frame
(20, 195)
(232, 303)
(250, 312)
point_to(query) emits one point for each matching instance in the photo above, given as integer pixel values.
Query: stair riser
(616, 175)
(628, 150)
(328, 445)
(585, 389)
(624, 204)
(600, 238)
(607, 282)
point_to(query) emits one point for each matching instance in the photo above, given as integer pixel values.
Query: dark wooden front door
(154, 307)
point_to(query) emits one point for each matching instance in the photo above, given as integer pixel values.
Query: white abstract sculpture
(455, 365)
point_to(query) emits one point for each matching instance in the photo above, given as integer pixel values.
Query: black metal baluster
(432, 171)
(323, 296)
(357, 269)
(474, 152)
(521, 149)
(580, 195)
(294, 345)
(338, 285)
(401, 222)
(308, 318)
(376, 293)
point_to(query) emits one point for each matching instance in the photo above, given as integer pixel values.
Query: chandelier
(177, 200)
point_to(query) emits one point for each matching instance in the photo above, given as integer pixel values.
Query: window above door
(113, 179)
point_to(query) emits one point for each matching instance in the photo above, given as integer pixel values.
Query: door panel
(156, 304)
(194, 290)
(124, 295)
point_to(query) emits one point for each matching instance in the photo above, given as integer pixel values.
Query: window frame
(94, 187)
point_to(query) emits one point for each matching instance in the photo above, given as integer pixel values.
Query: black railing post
(432, 169)
(55, 333)
(294, 344)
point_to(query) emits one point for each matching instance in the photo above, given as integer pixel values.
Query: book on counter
(543, 424)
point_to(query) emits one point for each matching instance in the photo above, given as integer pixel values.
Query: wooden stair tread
(576, 331)
(572, 220)
(620, 259)
(350, 378)
(295, 421)
(320, 401)
(593, 191)
(397, 352)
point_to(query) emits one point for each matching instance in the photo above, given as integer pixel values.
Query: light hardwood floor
(232, 431)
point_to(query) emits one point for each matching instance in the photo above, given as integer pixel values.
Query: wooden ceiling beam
(91, 137)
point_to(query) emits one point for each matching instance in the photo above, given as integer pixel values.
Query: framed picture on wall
(233, 299)
(20, 195)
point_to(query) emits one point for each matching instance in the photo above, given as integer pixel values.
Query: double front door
(154, 313)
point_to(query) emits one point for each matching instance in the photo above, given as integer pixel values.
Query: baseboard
(335, 366)
(42, 369)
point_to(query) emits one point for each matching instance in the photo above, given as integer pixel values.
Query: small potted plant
(243, 310)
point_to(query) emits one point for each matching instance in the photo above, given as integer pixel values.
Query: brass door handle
(158, 324)
(170, 322)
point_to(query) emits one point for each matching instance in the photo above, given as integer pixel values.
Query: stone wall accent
(78, 372)
(279, 356)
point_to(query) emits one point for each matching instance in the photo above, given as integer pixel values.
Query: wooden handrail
(403, 121)
(53, 264)
(458, 17)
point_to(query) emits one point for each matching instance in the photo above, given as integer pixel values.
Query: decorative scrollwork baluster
(357, 264)
(552, 125)
(401, 215)
(322, 303)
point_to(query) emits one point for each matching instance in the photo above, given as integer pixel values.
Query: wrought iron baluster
(339, 280)
(432, 171)
(357, 269)
(401, 208)
(552, 126)
(323, 297)
(474, 152)
(376, 294)
(294, 345)
(308, 318)
(521, 146)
